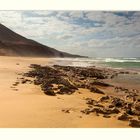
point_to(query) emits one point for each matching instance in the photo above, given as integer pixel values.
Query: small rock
(134, 123)
(66, 110)
(24, 81)
(111, 106)
(106, 116)
(66, 90)
(50, 92)
(16, 83)
(118, 102)
(124, 117)
(129, 111)
(87, 111)
(96, 90)
(104, 98)
(91, 101)
(90, 106)
(100, 83)
(137, 107)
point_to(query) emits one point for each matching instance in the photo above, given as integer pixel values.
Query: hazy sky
(90, 33)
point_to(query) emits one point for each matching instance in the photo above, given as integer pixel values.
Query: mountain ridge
(14, 44)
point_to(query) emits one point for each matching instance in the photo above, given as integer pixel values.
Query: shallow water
(130, 81)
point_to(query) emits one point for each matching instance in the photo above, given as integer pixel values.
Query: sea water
(127, 63)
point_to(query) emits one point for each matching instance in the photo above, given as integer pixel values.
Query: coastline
(27, 106)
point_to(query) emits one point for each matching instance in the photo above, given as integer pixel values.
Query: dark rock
(66, 90)
(137, 107)
(70, 77)
(82, 78)
(129, 111)
(111, 106)
(106, 116)
(90, 106)
(101, 83)
(106, 111)
(66, 110)
(104, 98)
(24, 81)
(118, 102)
(16, 83)
(50, 92)
(98, 105)
(134, 123)
(91, 101)
(37, 82)
(136, 112)
(99, 110)
(96, 90)
(81, 85)
(97, 114)
(58, 92)
(112, 111)
(124, 117)
(60, 86)
(87, 111)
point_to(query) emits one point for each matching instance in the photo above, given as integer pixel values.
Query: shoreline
(87, 63)
(26, 105)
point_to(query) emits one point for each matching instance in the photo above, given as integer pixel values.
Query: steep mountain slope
(13, 44)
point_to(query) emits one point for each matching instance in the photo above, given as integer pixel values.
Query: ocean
(119, 63)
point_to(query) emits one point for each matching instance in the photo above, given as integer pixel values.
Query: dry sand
(28, 106)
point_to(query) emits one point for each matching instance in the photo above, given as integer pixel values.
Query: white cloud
(67, 30)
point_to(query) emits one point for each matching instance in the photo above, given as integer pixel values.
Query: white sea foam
(85, 62)
(121, 60)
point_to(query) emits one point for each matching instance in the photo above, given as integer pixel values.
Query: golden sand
(27, 106)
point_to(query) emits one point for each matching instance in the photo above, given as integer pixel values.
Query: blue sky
(90, 33)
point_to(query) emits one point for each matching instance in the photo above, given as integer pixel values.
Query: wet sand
(27, 106)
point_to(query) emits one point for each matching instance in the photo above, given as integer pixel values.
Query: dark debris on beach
(58, 79)
(66, 79)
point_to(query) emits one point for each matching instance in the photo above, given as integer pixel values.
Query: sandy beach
(27, 106)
